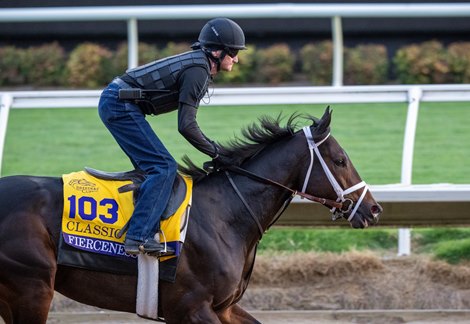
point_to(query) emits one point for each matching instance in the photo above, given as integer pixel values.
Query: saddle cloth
(94, 212)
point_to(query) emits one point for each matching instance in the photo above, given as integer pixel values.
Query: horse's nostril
(376, 210)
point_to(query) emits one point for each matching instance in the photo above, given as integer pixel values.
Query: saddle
(137, 177)
(97, 209)
(99, 205)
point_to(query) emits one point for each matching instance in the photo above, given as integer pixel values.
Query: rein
(327, 202)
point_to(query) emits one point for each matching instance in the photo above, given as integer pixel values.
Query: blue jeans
(137, 139)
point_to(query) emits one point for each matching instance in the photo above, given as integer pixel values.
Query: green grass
(290, 239)
(449, 244)
(453, 251)
(442, 149)
(56, 141)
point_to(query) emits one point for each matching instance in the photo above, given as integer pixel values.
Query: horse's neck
(266, 200)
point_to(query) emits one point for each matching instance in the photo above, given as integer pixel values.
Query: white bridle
(313, 147)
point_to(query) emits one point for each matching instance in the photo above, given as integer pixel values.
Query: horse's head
(328, 175)
(332, 175)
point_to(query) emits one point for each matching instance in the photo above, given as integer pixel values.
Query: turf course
(56, 141)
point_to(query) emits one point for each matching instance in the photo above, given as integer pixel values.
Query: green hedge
(422, 63)
(11, 66)
(44, 65)
(317, 62)
(365, 64)
(274, 64)
(459, 61)
(92, 65)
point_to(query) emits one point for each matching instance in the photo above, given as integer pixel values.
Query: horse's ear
(323, 124)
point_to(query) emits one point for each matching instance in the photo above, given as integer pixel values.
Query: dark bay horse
(229, 213)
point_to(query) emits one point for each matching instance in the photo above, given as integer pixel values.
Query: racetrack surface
(298, 317)
(351, 287)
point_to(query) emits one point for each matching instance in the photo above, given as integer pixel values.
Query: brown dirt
(309, 281)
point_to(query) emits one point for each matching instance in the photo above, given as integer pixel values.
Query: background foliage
(92, 65)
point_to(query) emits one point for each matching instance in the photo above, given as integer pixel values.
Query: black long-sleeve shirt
(184, 94)
(193, 84)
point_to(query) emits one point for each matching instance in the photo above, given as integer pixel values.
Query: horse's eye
(340, 162)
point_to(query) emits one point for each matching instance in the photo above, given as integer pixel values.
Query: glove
(217, 163)
(221, 161)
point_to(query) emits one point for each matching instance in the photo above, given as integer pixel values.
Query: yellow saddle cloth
(94, 212)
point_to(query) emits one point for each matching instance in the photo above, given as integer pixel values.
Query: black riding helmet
(220, 34)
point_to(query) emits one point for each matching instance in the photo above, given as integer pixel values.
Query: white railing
(336, 12)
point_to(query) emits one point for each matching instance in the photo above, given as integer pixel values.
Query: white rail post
(404, 241)
(414, 96)
(132, 43)
(5, 104)
(337, 51)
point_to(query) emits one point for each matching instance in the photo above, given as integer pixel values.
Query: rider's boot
(149, 246)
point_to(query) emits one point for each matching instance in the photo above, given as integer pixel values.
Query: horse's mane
(254, 138)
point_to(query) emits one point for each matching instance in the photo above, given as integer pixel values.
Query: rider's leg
(133, 133)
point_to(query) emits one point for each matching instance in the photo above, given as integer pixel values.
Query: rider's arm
(193, 85)
(188, 127)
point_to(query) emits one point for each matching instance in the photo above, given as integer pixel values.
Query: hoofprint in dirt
(350, 281)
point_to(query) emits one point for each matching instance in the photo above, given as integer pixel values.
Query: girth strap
(252, 214)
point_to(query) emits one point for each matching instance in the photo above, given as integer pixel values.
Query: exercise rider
(176, 82)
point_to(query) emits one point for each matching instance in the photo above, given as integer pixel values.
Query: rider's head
(220, 34)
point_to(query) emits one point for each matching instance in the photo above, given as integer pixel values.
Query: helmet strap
(216, 60)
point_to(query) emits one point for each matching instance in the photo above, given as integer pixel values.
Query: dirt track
(298, 317)
(334, 284)
(356, 281)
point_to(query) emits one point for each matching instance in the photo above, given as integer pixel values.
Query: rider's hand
(216, 164)
(208, 166)
(221, 161)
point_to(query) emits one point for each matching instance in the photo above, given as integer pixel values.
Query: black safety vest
(163, 75)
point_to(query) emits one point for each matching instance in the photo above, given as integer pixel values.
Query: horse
(231, 209)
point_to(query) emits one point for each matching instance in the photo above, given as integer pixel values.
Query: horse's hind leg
(236, 315)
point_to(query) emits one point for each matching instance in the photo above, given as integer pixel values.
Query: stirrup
(167, 250)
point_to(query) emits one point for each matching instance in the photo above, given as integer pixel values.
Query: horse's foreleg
(29, 300)
(27, 268)
(236, 315)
